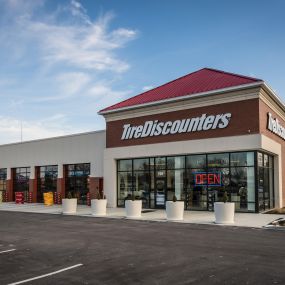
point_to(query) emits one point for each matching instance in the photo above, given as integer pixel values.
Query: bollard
(55, 198)
(59, 200)
(88, 199)
(5, 197)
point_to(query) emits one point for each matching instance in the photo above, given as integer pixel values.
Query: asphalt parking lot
(112, 251)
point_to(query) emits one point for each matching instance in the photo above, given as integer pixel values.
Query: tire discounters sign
(156, 128)
(275, 127)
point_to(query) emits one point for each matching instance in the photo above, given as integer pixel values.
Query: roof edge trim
(201, 94)
(275, 96)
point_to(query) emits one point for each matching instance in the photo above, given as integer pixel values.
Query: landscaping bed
(275, 211)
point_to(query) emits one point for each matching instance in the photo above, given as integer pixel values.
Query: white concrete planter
(133, 209)
(98, 207)
(174, 210)
(224, 212)
(69, 206)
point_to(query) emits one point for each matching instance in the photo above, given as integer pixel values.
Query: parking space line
(13, 249)
(46, 275)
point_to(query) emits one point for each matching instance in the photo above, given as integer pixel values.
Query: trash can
(48, 199)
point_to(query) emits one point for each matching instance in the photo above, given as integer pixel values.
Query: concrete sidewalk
(195, 217)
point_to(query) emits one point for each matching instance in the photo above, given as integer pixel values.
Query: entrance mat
(147, 211)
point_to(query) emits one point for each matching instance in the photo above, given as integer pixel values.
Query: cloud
(72, 82)
(55, 58)
(105, 95)
(10, 128)
(146, 88)
(78, 42)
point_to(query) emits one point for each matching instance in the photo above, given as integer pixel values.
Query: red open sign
(208, 178)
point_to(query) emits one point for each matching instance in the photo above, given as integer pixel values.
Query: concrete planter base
(99, 207)
(69, 206)
(174, 210)
(133, 209)
(224, 212)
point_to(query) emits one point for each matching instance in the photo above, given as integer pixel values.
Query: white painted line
(46, 275)
(7, 250)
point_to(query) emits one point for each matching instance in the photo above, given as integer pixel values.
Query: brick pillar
(60, 186)
(9, 184)
(95, 185)
(33, 184)
(33, 189)
(9, 189)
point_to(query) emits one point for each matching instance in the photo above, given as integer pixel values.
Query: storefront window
(125, 182)
(242, 159)
(21, 177)
(3, 177)
(141, 164)
(265, 182)
(175, 180)
(218, 160)
(219, 181)
(141, 186)
(260, 159)
(243, 188)
(175, 162)
(195, 191)
(125, 165)
(77, 181)
(199, 180)
(160, 163)
(196, 161)
(47, 180)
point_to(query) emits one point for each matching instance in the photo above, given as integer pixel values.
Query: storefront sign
(208, 178)
(157, 128)
(274, 126)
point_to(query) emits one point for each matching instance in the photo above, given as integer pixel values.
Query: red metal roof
(203, 80)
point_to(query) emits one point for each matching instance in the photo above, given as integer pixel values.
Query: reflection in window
(125, 165)
(160, 163)
(175, 162)
(218, 160)
(175, 179)
(243, 188)
(196, 161)
(242, 159)
(125, 186)
(141, 164)
(141, 182)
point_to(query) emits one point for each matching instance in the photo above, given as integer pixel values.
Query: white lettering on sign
(274, 126)
(156, 128)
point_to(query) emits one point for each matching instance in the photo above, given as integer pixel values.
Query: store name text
(274, 126)
(157, 128)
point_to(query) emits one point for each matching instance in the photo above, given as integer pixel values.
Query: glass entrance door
(160, 192)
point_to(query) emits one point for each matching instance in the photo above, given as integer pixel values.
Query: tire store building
(195, 137)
